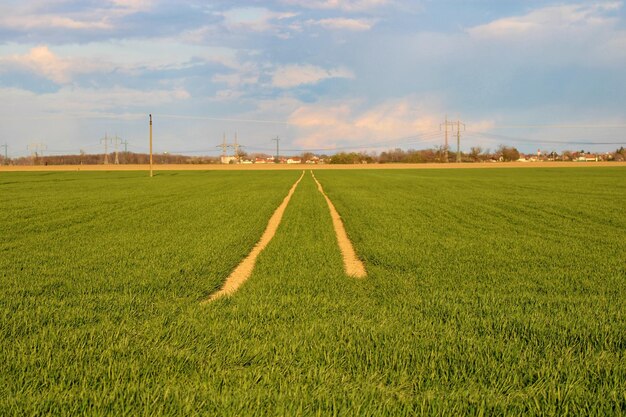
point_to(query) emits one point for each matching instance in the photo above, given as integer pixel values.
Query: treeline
(476, 154)
(435, 155)
(99, 159)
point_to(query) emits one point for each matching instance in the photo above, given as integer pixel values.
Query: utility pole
(445, 149)
(6, 155)
(106, 140)
(277, 139)
(150, 145)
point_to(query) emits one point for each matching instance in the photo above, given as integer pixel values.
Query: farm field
(488, 292)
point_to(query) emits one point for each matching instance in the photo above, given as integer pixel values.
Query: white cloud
(294, 75)
(549, 19)
(581, 35)
(42, 61)
(348, 5)
(331, 124)
(114, 98)
(72, 118)
(227, 95)
(74, 101)
(254, 19)
(340, 23)
(29, 22)
(236, 79)
(39, 16)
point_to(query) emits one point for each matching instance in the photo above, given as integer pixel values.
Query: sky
(322, 75)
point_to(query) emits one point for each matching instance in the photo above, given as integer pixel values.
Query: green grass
(507, 287)
(489, 292)
(92, 264)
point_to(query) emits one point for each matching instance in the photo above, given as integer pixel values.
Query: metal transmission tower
(225, 159)
(224, 146)
(116, 141)
(455, 125)
(106, 139)
(125, 143)
(36, 149)
(458, 139)
(6, 155)
(236, 148)
(277, 139)
(446, 147)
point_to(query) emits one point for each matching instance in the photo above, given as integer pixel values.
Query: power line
(526, 140)
(530, 126)
(222, 119)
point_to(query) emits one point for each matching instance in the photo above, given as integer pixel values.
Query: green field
(496, 291)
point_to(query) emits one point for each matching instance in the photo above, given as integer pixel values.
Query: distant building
(228, 159)
(587, 158)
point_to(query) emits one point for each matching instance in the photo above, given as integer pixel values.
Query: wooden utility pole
(151, 145)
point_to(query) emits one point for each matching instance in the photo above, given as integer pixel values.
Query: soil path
(353, 265)
(244, 269)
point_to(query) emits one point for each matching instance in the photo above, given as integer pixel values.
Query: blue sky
(321, 74)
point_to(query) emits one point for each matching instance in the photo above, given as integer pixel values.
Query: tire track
(351, 263)
(243, 271)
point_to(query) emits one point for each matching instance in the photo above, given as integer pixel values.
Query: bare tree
(475, 152)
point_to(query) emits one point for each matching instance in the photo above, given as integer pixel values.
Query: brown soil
(352, 264)
(243, 271)
(256, 167)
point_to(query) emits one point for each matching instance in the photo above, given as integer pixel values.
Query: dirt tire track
(243, 271)
(352, 264)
